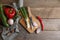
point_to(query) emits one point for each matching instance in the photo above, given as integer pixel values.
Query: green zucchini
(3, 17)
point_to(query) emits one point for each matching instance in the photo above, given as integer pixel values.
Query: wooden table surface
(49, 10)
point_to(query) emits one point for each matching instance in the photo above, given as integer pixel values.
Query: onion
(35, 24)
(38, 30)
(10, 21)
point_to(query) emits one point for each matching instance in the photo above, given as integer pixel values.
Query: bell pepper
(10, 12)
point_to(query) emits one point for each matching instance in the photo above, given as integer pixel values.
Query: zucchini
(3, 17)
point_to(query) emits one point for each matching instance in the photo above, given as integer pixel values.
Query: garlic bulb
(10, 21)
(35, 24)
(38, 30)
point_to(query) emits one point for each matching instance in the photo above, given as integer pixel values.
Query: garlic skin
(10, 21)
(35, 24)
(38, 30)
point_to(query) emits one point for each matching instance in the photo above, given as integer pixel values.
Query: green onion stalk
(25, 15)
(16, 16)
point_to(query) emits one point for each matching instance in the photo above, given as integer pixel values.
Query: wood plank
(36, 3)
(42, 3)
(50, 12)
(7, 1)
(44, 35)
(51, 24)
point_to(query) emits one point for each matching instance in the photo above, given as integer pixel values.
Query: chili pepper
(42, 25)
(10, 12)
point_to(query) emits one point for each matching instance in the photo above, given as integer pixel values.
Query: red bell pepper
(10, 12)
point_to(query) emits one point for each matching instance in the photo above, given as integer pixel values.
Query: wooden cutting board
(34, 19)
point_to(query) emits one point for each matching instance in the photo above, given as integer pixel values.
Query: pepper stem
(10, 10)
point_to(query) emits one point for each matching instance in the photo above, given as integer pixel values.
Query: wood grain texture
(50, 12)
(42, 3)
(7, 1)
(51, 24)
(44, 35)
(48, 9)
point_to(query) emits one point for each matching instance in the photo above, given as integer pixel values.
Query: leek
(24, 13)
